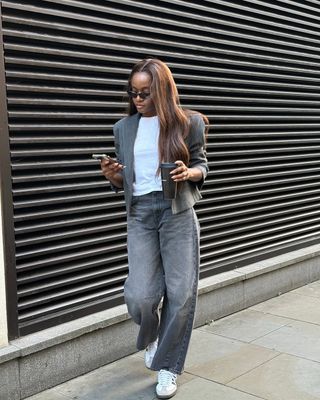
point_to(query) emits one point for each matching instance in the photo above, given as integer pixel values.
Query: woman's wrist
(194, 174)
(116, 179)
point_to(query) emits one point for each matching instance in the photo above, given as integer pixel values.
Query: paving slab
(283, 378)
(247, 325)
(299, 338)
(222, 359)
(294, 306)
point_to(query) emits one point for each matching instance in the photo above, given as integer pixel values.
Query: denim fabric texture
(163, 251)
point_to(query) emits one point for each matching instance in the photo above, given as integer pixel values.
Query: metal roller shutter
(251, 66)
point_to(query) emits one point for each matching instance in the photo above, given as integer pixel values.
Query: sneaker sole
(165, 396)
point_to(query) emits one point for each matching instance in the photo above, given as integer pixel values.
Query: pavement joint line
(306, 295)
(226, 337)
(244, 341)
(258, 366)
(249, 393)
(203, 377)
(272, 331)
(226, 384)
(303, 358)
(294, 319)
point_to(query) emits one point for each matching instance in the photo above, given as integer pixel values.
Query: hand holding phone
(111, 160)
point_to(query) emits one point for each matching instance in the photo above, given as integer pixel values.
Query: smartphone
(102, 156)
(105, 156)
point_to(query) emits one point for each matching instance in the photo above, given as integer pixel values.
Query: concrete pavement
(269, 351)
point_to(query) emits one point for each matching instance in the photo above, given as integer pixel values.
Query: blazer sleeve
(196, 143)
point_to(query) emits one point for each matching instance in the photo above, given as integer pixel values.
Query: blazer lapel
(130, 135)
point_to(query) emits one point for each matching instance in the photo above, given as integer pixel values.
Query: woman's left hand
(181, 173)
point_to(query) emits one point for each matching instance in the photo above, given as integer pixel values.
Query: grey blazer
(125, 132)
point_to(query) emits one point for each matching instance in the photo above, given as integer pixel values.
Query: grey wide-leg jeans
(163, 251)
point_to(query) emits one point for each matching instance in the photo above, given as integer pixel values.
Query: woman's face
(141, 82)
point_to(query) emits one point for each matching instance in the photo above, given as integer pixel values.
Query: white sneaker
(150, 352)
(167, 386)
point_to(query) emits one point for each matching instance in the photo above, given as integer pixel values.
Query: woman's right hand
(111, 170)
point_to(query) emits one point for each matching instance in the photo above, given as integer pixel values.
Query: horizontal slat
(262, 192)
(39, 275)
(193, 15)
(65, 246)
(60, 115)
(36, 202)
(274, 92)
(50, 176)
(250, 238)
(25, 228)
(258, 224)
(70, 257)
(297, 64)
(52, 236)
(35, 289)
(279, 245)
(303, 196)
(225, 219)
(65, 305)
(121, 83)
(269, 159)
(66, 210)
(210, 73)
(300, 51)
(167, 32)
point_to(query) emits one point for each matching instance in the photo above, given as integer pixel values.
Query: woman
(163, 235)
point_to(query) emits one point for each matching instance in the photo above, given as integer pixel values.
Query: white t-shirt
(146, 157)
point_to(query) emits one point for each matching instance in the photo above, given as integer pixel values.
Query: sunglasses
(134, 95)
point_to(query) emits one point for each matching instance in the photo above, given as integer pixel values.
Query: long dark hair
(174, 121)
